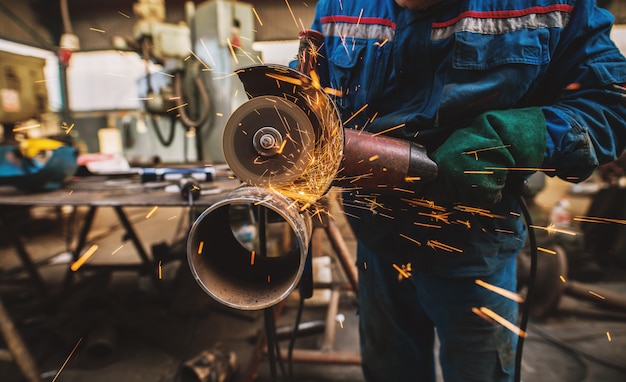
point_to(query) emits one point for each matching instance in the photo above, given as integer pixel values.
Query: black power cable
(294, 335)
(530, 290)
(170, 138)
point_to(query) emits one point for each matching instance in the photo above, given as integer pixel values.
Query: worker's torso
(434, 70)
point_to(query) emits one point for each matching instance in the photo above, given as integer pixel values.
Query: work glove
(499, 146)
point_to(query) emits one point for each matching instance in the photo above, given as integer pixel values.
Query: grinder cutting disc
(268, 141)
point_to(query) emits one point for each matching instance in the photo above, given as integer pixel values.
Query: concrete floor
(146, 337)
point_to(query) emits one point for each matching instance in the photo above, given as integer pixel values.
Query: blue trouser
(397, 321)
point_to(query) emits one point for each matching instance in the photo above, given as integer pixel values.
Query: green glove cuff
(474, 161)
(523, 131)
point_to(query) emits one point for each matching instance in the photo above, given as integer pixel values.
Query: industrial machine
(32, 163)
(288, 146)
(194, 88)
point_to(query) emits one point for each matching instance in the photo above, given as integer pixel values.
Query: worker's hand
(475, 161)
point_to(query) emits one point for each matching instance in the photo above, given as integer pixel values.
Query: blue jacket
(430, 72)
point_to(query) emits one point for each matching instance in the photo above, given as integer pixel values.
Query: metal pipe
(330, 357)
(601, 296)
(331, 324)
(343, 254)
(224, 254)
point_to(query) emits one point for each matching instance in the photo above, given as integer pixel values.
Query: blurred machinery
(32, 163)
(198, 55)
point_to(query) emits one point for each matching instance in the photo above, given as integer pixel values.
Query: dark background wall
(38, 22)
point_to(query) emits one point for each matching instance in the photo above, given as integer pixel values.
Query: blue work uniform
(419, 75)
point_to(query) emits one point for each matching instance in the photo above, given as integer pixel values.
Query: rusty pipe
(226, 245)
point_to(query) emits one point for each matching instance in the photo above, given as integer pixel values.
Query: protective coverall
(543, 79)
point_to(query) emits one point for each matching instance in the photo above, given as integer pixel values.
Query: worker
(495, 90)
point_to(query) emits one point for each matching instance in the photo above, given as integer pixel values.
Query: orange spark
(390, 129)
(501, 291)
(465, 223)
(480, 314)
(504, 231)
(316, 79)
(502, 321)
(333, 92)
(160, 271)
(478, 211)
(97, 30)
(177, 107)
(594, 294)
(439, 217)
(232, 51)
(257, 16)
(573, 86)
(207, 52)
(381, 44)
(290, 80)
(67, 359)
(426, 225)
(562, 278)
(552, 229)
(282, 147)
(355, 114)
(477, 172)
(200, 247)
(401, 190)
(410, 239)
(551, 252)
(608, 336)
(16, 129)
(292, 15)
(199, 59)
(81, 260)
(521, 169)
(410, 179)
(591, 219)
(475, 152)
(340, 319)
(152, 211)
(404, 272)
(424, 203)
(435, 244)
(374, 157)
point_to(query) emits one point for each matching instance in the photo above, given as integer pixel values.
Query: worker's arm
(586, 124)
(578, 120)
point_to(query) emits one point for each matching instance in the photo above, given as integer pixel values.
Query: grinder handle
(382, 163)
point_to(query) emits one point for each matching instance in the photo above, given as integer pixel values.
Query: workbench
(117, 192)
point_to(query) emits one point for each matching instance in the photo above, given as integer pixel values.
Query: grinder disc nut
(267, 141)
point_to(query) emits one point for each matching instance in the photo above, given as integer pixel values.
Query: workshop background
(87, 104)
